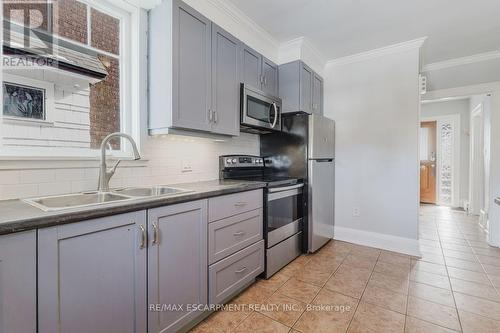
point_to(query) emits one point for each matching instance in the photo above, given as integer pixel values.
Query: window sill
(26, 122)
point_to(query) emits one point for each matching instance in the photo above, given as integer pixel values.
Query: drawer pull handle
(240, 204)
(239, 233)
(241, 270)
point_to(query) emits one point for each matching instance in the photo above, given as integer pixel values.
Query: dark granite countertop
(16, 215)
(497, 200)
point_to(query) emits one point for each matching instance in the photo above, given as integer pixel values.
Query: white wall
(462, 108)
(375, 103)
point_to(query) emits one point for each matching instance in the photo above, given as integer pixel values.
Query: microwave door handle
(273, 125)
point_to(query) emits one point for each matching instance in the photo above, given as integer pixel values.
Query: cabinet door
(18, 282)
(306, 81)
(317, 95)
(251, 71)
(92, 276)
(177, 266)
(270, 77)
(225, 82)
(191, 68)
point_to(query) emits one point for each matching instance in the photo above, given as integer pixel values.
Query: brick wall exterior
(105, 105)
(105, 32)
(70, 20)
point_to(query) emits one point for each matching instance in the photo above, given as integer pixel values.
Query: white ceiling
(455, 28)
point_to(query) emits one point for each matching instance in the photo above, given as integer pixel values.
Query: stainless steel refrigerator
(306, 149)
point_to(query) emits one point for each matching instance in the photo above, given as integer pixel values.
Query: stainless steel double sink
(87, 199)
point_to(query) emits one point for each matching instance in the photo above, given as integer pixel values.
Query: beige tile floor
(344, 287)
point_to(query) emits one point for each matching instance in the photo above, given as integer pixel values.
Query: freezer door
(321, 137)
(321, 202)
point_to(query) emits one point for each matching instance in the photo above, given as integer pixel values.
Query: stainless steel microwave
(259, 110)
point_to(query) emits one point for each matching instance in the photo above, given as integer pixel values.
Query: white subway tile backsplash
(164, 166)
(37, 176)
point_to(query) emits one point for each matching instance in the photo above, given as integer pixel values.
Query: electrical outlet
(356, 212)
(186, 166)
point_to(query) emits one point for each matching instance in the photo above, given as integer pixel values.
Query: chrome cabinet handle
(210, 116)
(216, 117)
(241, 270)
(265, 80)
(240, 204)
(239, 233)
(155, 233)
(143, 237)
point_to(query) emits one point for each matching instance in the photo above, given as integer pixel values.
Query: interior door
(428, 162)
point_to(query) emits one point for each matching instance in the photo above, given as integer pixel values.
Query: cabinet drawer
(232, 204)
(232, 234)
(229, 275)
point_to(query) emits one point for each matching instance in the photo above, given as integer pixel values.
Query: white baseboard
(382, 241)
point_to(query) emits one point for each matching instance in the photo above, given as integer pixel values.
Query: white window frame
(133, 63)
(49, 101)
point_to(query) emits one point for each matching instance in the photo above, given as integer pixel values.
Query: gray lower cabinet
(92, 276)
(300, 88)
(18, 283)
(231, 274)
(177, 264)
(225, 117)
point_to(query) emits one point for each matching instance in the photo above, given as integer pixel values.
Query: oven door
(259, 109)
(284, 213)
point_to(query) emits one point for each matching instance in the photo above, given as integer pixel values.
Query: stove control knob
(228, 161)
(234, 161)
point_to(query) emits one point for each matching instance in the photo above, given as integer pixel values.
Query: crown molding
(241, 18)
(376, 53)
(462, 61)
(302, 49)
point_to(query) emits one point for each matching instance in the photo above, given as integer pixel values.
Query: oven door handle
(287, 188)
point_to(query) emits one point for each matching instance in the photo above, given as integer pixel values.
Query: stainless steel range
(284, 208)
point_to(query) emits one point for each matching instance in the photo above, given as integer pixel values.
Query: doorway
(428, 153)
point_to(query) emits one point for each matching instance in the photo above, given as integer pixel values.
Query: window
(68, 69)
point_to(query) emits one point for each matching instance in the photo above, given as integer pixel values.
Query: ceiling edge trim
(241, 18)
(462, 61)
(372, 54)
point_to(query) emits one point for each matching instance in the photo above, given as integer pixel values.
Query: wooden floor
(454, 287)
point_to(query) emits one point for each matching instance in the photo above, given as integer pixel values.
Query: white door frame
(476, 170)
(455, 119)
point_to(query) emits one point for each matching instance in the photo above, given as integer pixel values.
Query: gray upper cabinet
(225, 115)
(177, 266)
(317, 95)
(18, 282)
(300, 88)
(92, 276)
(305, 81)
(191, 68)
(194, 73)
(269, 77)
(258, 72)
(251, 69)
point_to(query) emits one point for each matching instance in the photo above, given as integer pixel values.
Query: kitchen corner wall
(169, 159)
(374, 100)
